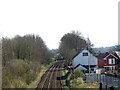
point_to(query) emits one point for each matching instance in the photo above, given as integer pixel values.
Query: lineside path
(52, 78)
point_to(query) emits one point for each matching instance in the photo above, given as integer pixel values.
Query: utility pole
(0, 61)
(119, 23)
(89, 55)
(88, 63)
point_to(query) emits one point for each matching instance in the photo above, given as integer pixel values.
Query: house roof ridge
(112, 55)
(81, 51)
(77, 53)
(117, 53)
(102, 55)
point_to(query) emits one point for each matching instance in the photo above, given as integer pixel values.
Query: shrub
(15, 83)
(20, 73)
(77, 81)
(76, 74)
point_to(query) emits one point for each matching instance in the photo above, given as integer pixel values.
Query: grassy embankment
(34, 83)
(23, 74)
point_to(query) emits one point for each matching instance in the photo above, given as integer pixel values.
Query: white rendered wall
(85, 60)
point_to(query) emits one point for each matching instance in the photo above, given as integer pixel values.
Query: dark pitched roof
(117, 54)
(102, 55)
(112, 54)
(77, 53)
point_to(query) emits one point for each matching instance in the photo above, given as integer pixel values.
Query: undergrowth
(20, 73)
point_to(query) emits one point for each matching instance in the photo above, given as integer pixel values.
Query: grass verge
(34, 83)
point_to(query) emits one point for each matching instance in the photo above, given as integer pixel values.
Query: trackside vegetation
(24, 59)
(19, 73)
(76, 80)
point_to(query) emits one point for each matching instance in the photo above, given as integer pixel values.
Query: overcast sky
(51, 19)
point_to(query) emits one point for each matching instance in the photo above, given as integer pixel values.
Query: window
(112, 68)
(111, 60)
(104, 61)
(85, 54)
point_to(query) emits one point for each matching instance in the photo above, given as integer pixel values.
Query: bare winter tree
(70, 44)
(28, 47)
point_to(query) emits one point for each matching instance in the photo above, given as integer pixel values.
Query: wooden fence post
(112, 88)
(100, 86)
(106, 87)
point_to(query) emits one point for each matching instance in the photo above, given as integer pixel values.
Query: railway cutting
(52, 78)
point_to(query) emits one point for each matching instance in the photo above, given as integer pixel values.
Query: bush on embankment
(19, 73)
(76, 74)
(75, 80)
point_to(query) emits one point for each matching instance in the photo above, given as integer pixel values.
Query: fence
(106, 81)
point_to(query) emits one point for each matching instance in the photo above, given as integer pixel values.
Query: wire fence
(106, 81)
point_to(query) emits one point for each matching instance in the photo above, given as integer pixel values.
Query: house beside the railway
(117, 54)
(86, 60)
(101, 57)
(101, 62)
(111, 62)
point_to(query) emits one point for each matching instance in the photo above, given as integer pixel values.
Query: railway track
(51, 78)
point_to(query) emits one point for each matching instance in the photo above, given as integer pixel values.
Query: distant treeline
(28, 47)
